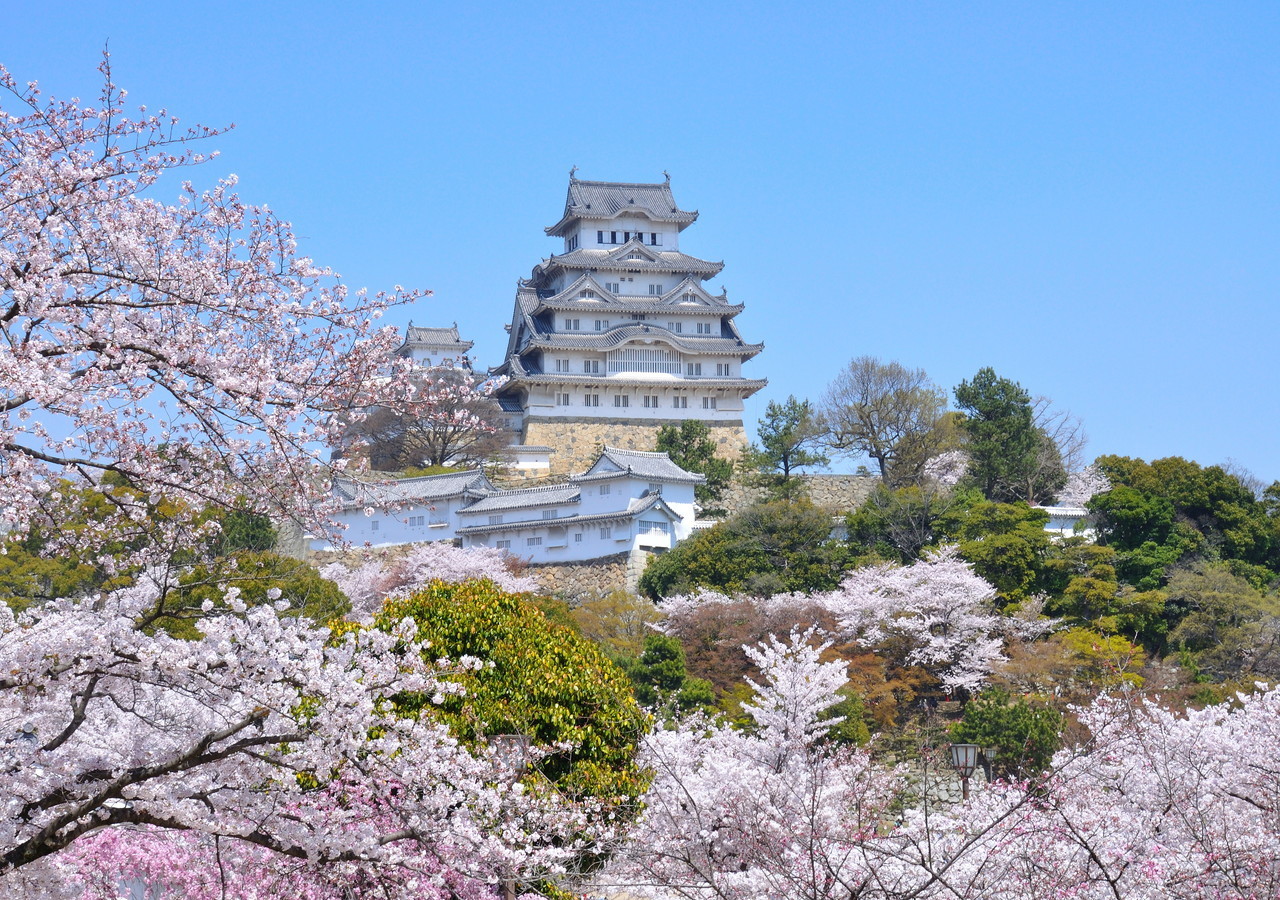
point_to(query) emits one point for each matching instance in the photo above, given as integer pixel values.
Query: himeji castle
(618, 334)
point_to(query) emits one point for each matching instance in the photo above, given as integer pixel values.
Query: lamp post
(965, 759)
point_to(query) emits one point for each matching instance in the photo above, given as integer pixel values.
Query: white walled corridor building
(627, 501)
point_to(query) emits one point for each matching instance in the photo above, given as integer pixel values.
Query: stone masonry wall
(586, 580)
(577, 441)
(835, 493)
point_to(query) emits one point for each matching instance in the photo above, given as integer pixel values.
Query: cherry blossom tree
(184, 345)
(390, 574)
(262, 732)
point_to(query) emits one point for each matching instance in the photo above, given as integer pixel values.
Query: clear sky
(1084, 196)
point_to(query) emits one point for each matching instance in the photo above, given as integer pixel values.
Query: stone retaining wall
(835, 493)
(577, 441)
(587, 580)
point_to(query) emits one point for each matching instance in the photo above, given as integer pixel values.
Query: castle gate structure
(618, 334)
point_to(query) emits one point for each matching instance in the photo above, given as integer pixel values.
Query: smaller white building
(431, 347)
(404, 511)
(626, 501)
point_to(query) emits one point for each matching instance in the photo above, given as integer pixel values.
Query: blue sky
(1084, 196)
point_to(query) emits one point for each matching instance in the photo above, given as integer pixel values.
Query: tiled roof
(525, 498)
(607, 199)
(666, 261)
(636, 507)
(509, 404)
(436, 337)
(649, 465)
(623, 334)
(605, 302)
(355, 492)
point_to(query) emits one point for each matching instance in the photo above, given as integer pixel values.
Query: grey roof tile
(667, 261)
(525, 498)
(649, 465)
(607, 199)
(364, 492)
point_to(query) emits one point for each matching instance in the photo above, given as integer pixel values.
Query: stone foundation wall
(577, 441)
(587, 580)
(835, 493)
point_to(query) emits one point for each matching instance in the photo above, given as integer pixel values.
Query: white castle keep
(618, 334)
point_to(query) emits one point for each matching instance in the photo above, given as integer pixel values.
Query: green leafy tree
(1025, 735)
(1006, 544)
(768, 548)
(258, 578)
(1175, 512)
(617, 622)
(539, 680)
(661, 681)
(690, 447)
(1007, 452)
(789, 434)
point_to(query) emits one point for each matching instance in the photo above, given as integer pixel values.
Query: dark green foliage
(788, 432)
(257, 576)
(1009, 457)
(545, 682)
(1007, 545)
(690, 447)
(900, 524)
(661, 681)
(769, 548)
(1025, 735)
(1173, 511)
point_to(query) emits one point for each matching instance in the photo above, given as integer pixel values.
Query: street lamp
(965, 759)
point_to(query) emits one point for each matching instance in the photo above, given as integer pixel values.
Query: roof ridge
(536, 489)
(653, 453)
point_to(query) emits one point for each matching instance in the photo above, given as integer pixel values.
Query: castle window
(577, 537)
(680, 402)
(708, 402)
(612, 287)
(572, 243)
(692, 370)
(587, 295)
(373, 526)
(606, 531)
(562, 399)
(591, 367)
(675, 327)
(533, 542)
(502, 545)
(590, 399)
(613, 237)
(417, 520)
(599, 237)
(653, 239)
(651, 401)
(722, 368)
(621, 400)
(495, 520)
(572, 324)
(550, 514)
(606, 489)
(655, 289)
(562, 365)
(602, 324)
(704, 328)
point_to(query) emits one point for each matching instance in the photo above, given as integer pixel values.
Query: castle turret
(618, 334)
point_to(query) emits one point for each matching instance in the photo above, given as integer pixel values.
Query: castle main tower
(617, 335)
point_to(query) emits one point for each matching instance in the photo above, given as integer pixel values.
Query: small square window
(502, 545)
(708, 402)
(621, 400)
